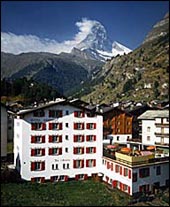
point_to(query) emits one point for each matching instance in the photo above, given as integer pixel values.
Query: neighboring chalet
(4, 124)
(58, 141)
(117, 124)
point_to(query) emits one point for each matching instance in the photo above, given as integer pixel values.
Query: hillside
(140, 75)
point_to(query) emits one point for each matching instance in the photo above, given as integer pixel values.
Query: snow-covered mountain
(97, 45)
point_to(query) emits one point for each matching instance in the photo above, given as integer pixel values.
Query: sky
(56, 26)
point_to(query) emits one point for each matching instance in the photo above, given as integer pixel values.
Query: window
(66, 137)
(158, 170)
(148, 129)
(38, 126)
(144, 172)
(118, 138)
(55, 151)
(66, 124)
(55, 113)
(78, 150)
(54, 166)
(67, 112)
(37, 166)
(90, 150)
(66, 149)
(78, 125)
(148, 138)
(117, 168)
(91, 163)
(134, 177)
(125, 172)
(55, 126)
(79, 114)
(37, 152)
(66, 166)
(55, 138)
(79, 138)
(91, 126)
(78, 163)
(91, 138)
(39, 113)
(38, 139)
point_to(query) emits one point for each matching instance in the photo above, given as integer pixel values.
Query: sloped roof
(152, 114)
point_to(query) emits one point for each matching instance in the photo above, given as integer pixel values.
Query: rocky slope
(140, 75)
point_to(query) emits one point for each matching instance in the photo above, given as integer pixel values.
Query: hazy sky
(58, 25)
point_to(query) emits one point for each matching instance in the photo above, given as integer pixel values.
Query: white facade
(69, 162)
(155, 127)
(119, 138)
(3, 131)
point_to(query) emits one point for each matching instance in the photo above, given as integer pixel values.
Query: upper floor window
(91, 138)
(144, 172)
(91, 163)
(38, 126)
(38, 152)
(134, 177)
(38, 139)
(78, 150)
(38, 166)
(158, 170)
(55, 138)
(91, 126)
(79, 138)
(79, 126)
(148, 138)
(90, 149)
(55, 126)
(78, 163)
(79, 114)
(55, 151)
(39, 113)
(148, 129)
(55, 113)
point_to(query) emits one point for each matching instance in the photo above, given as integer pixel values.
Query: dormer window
(39, 113)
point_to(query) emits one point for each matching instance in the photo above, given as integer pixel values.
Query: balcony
(162, 134)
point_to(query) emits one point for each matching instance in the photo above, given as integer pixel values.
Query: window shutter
(94, 137)
(43, 126)
(32, 139)
(32, 166)
(120, 170)
(140, 188)
(60, 138)
(75, 114)
(129, 189)
(33, 126)
(43, 151)
(82, 163)
(32, 180)
(87, 138)
(108, 165)
(74, 163)
(114, 183)
(75, 138)
(88, 126)
(94, 149)
(121, 186)
(87, 149)
(61, 113)
(60, 126)
(50, 126)
(87, 163)
(82, 150)
(76, 177)
(82, 125)
(50, 138)
(51, 178)
(75, 150)
(43, 139)
(129, 174)
(82, 138)
(111, 166)
(94, 163)
(32, 152)
(42, 179)
(43, 166)
(75, 125)
(85, 177)
(50, 152)
(94, 125)
(65, 178)
(60, 151)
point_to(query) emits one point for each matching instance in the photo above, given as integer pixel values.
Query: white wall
(3, 131)
(145, 132)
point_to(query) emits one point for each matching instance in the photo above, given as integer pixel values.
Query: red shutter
(50, 126)
(140, 188)
(50, 152)
(87, 138)
(75, 125)
(51, 178)
(82, 163)
(74, 150)
(43, 151)
(94, 163)
(60, 126)
(82, 138)
(83, 114)
(121, 186)
(32, 139)
(60, 151)
(33, 126)
(43, 139)
(120, 170)
(43, 166)
(85, 177)
(124, 171)
(87, 163)
(82, 125)
(87, 125)
(60, 138)
(66, 178)
(129, 189)
(75, 138)
(50, 138)
(87, 149)
(108, 165)
(75, 114)
(114, 183)
(94, 136)
(43, 126)
(42, 179)
(50, 114)
(94, 125)
(94, 150)
(61, 113)
(32, 180)
(74, 163)
(32, 166)
(82, 150)
(76, 177)
(129, 174)
(32, 152)
(111, 166)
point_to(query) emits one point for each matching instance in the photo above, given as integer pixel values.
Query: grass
(72, 193)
